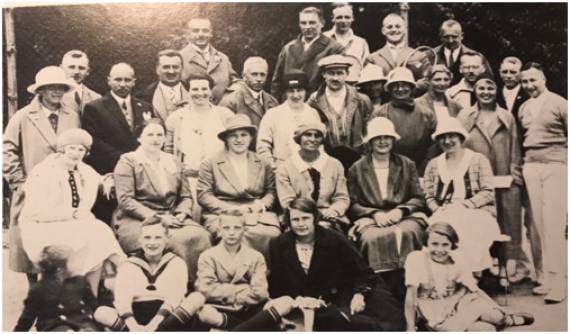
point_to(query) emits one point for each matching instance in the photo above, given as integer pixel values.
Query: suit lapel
(404, 53)
(371, 180)
(317, 47)
(290, 254)
(296, 50)
(158, 103)
(254, 171)
(215, 59)
(113, 107)
(479, 124)
(387, 55)
(41, 122)
(268, 101)
(64, 121)
(242, 263)
(138, 111)
(393, 176)
(253, 104)
(195, 57)
(185, 96)
(228, 171)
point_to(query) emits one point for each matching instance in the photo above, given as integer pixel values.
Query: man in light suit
(304, 52)
(395, 52)
(167, 94)
(199, 56)
(75, 63)
(451, 35)
(111, 121)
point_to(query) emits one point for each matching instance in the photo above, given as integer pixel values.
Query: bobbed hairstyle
(140, 128)
(442, 229)
(201, 76)
(304, 205)
(53, 258)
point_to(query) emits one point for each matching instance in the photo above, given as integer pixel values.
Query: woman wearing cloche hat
(238, 179)
(386, 198)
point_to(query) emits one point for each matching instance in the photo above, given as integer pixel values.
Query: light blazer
(220, 284)
(241, 101)
(426, 102)
(383, 58)
(112, 136)
(457, 76)
(153, 95)
(29, 139)
(219, 68)
(403, 190)
(87, 95)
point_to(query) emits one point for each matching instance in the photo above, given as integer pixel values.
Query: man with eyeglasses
(471, 66)
(199, 56)
(75, 64)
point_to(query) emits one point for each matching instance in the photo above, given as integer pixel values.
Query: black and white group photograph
(300, 167)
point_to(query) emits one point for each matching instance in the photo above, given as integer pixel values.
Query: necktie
(53, 121)
(451, 62)
(77, 98)
(316, 179)
(74, 193)
(173, 98)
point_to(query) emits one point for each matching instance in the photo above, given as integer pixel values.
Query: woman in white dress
(60, 192)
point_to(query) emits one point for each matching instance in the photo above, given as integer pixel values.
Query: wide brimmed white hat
(51, 75)
(400, 74)
(380, 126)
(449, 125)
(371, 73)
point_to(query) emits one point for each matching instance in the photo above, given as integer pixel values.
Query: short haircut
(531, 65)
(393, 15)
(254, 61)
(76, 54)
(233, 214)
(122, 64)
(313, 10)
(512, 60)
(304, 205)
(442, 229)
(336, 5)
(201, 76)
(168, 53)
(140, 128)
(54, 257)
(471, 54)
(449, 24)
(155, 220)
(199, 19)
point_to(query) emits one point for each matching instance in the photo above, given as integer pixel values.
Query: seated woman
(386, 200)
(277, 127)
(444, 292)
(150, 287)
(311, 173)
(458, 187)
(60, 192)
(237, 179)
(314, 262)
(149, 182)
(45, 298)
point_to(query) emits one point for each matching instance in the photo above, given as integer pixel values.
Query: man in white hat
(415, 123)
(75, 64)
(343, 110)
(30, 136)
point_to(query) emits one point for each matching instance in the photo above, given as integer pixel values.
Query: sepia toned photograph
(285, 167)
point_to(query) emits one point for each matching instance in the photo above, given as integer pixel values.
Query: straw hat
(400, 74)
(238, 122)
(380, 126)
(51, 75)
(371, 73)
(449, 125)
(302, 128)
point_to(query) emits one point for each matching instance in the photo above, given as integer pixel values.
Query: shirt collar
(395, 46)
(513, 91)
(165, 161)
(166, 88)
(254, 93)
(79, 87)
(341, 95)
(308, 44)
(333, 34)
(302, 166)
(120, 100)
(199, 50)
(49, 112)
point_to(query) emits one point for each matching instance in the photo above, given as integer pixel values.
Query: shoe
(521, 319)
(519, 276)
(541, 290)
(557, 289)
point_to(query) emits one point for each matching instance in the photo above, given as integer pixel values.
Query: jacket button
(60, 306)
(82, 311)
(81, 302)
(334, 291)
(62, 317)
(224, 300)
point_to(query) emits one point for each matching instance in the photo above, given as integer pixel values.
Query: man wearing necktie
(168, 94)
(111, 121)
(248, 97)
(395, 52)
(199, 56)
(31, 136)
(75, 63)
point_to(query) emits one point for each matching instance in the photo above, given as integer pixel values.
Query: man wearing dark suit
(111, 121)
(167, 94)
(75, 64)
(304, 52)
(451, 36)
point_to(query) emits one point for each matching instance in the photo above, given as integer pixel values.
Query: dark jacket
(53, 304)
(112, 136)
(521, 98)
(457, 76)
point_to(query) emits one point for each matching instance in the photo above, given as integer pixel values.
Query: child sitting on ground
(444, 292)
(60, 301)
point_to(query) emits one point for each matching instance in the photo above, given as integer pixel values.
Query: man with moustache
(167, 94)
(451, 50)
(75, 64)
(341, 108)
(354, 46)
(305, 52)
(248, 97)
(199, 56)
(471, 67)
(111, 121)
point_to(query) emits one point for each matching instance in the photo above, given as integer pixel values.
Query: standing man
(354, 46)
(545, 118)
(511, 96)
(305, 52)
(75, 63)
(111, 121)
(450, 51)
(167, 94)
(395, 52)
(462, 92)
(199, 56)
(248, 97)
(30, 136)
(342, 109)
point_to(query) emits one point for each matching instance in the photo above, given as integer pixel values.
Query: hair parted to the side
(531, 65)
(155, 220)
(168, 53)
(53, 258)
(232, 214)
(140, 128)
(444, 229)
(304, 205)
(313, 10)
(201, 76)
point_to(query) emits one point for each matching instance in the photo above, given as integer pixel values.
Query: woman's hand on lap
(357, 304)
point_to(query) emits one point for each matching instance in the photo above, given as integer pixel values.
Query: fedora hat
(400, 74)
(380, 126)
(51, 75)
(449, 125)
(371, 73)
(238, 122)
